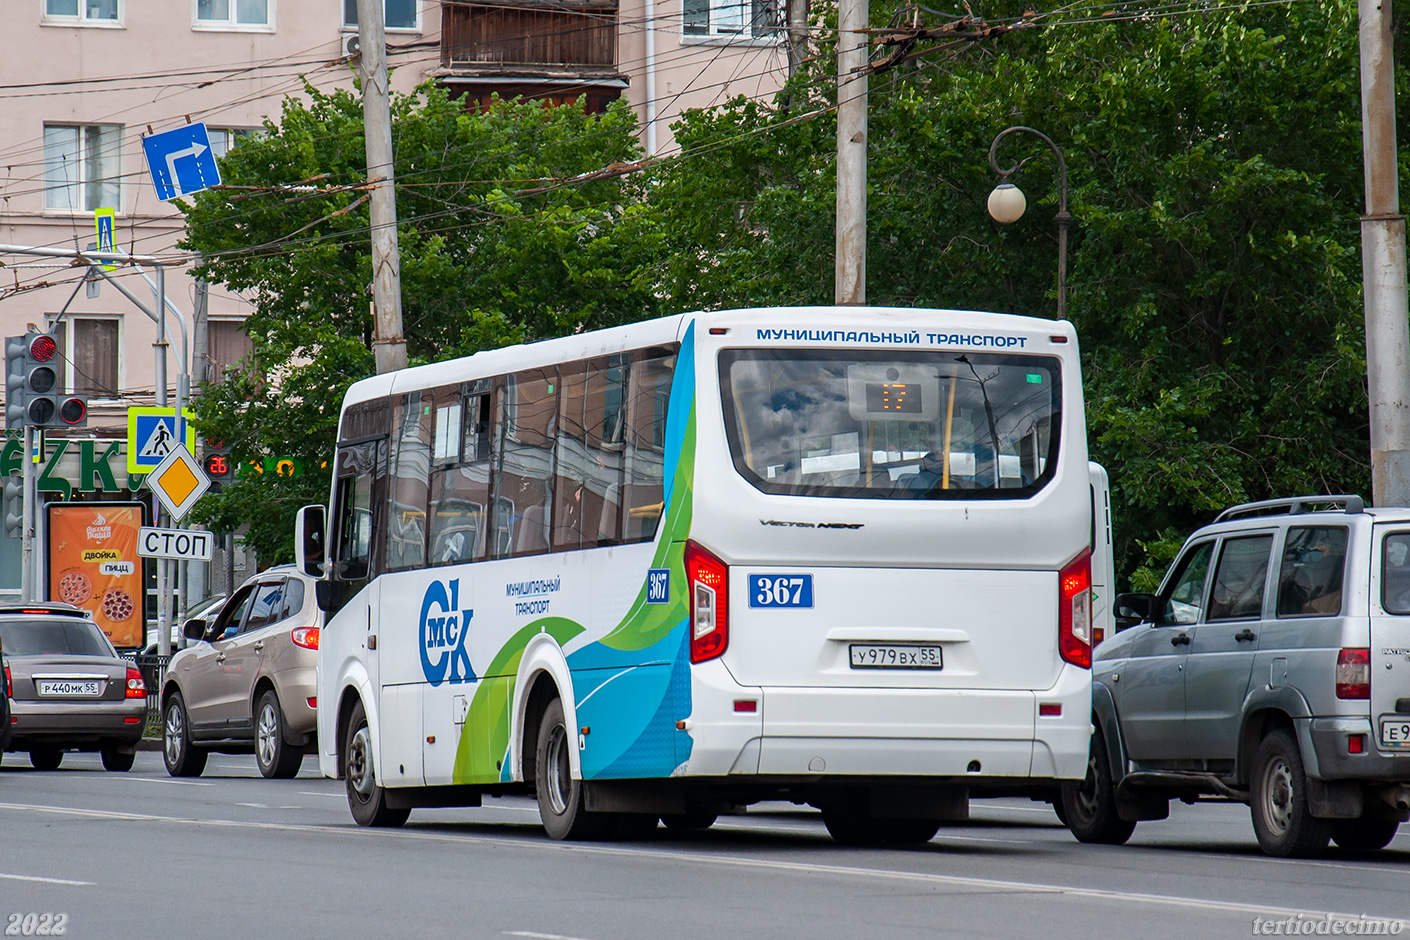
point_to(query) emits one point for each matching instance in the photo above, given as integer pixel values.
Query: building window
(227, 344)
(223, 138)
(82, 166)
(90, 359)
(233, 13)
(401, 14)
(743, 19)
(82, 11)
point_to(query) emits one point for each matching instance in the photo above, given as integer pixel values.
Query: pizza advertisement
(93, 564)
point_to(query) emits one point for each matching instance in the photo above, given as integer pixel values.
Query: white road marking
(539, 936)
(331, 796)
(806, 869)
(48, 881)
(182, 783)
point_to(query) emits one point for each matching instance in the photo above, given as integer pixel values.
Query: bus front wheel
(560, 796)
(366, 799)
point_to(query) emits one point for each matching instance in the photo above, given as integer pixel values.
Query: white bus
(832, 555)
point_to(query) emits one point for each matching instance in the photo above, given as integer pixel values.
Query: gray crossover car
(68, 687)
(248, 680)
(1271, 668)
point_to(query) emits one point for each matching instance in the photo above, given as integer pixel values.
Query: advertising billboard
(93, 563)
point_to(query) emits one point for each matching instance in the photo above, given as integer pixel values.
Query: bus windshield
(892, 425)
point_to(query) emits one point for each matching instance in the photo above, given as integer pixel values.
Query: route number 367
(36, 925)
(786, 590)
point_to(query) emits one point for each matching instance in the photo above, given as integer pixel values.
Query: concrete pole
(388, 343)
(797, 34)
(1383, 266)
(850, 264)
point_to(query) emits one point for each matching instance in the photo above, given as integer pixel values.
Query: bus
(839, 556)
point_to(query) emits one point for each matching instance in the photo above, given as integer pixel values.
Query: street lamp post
(1006, 202)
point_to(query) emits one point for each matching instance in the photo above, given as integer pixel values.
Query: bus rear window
(892, 425)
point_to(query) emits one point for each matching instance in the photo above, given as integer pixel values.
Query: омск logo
(443, 635)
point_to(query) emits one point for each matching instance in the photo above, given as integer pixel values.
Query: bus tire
(1089, 807)
(1282, 818)
(681, 822)
(560, 796)
(633, 827)
(849, 825)
(366, 799)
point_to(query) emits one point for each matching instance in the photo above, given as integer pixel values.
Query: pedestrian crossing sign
(152, 436)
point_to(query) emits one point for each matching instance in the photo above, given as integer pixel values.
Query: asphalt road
(140, 855)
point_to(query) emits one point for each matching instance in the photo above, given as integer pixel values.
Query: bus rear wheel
(366, 799)
(560, 796)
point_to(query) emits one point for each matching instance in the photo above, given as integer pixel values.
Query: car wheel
(680, 822)
(46, 758)
(182, 758)
(560, 796)
(1364, 835)
(277, 758)
(366, 799)
(1282, 819)
(1089, 807)
(116, 760)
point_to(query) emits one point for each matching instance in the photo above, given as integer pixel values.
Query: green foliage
(1214, 163)
(495, 248)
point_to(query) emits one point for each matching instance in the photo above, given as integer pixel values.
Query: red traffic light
(42, 348)
(217, 466)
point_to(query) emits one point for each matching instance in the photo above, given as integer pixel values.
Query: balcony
(546, 51)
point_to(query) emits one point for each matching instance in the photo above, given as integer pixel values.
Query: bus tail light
(1354, 673)
(708, 580)
(1075, 611)
(307, 637)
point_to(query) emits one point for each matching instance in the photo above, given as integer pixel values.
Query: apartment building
(83, 81)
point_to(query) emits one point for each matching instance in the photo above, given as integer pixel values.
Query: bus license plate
(67, 686)
(894, 656)
(1395, 732)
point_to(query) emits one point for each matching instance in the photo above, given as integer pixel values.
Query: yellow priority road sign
(178, 481)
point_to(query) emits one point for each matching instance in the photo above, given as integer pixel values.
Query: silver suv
(249, 679)
(1272, 668)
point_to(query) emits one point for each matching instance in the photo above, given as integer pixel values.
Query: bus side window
(460, 493)
(524, 482)
(648, 394)
(588, 480)
(411, 478)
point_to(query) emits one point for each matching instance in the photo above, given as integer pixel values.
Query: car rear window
(53, 637)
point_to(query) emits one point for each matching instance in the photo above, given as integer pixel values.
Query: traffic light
(218, 464)
(32, 394)
(14, 506)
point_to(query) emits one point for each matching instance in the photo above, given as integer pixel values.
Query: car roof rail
(1294, 506)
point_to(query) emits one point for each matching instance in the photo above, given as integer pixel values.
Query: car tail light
(708, 579)
(1354, 673)
(307, 637)
(9, 689)
(136, 688)
(1075, 611)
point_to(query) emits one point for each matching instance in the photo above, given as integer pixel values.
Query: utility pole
(850, 264)
(388, 343)
(1383, 265)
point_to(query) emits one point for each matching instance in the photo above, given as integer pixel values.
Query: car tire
(1364, 834)
(684, 822)
(560, 796)
(366, 799)
(182, 758)
(276, 757)
(1282, 819)
(46, 758)
(1089, 807)
(115, 760)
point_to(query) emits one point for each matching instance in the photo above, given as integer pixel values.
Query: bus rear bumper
(807, 732)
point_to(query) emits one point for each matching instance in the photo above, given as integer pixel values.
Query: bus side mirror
(1132, 609)
(310, 540)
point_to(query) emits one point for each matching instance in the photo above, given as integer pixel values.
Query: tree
(509, 231)
(1215, 164)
